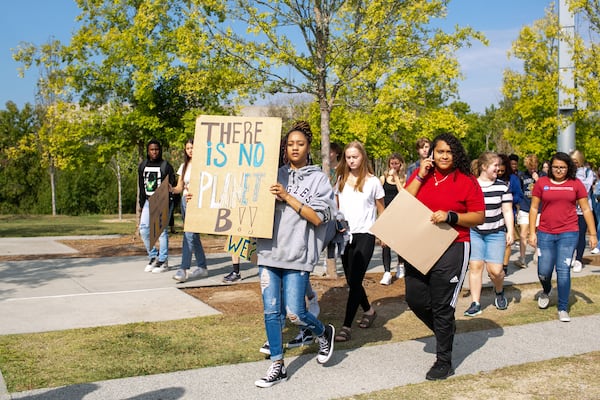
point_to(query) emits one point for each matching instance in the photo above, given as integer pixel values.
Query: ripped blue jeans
(283, 292)
(556, 250)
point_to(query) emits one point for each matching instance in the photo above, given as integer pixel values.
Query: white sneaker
(180, 275)
(151, 265)
(544, 300)
(400, 271)
(577, 266)
(387, 279)
(198, 273)
(313, 306)
(563, 316)
(161, 266)
(595, 250)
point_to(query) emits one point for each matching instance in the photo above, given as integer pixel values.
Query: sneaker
(521, 262)
(439, 370)
(265, 349)
(305, 337)
(151, 265)
(595, 250)
(563, 316)
(326, 343)
(161, 266)
(544, 300)
(180, 275)
(275, 374)
(577, 266)
(313, 306)
(500, 301)
(198, 273)
(473, 310)
(232, 277)
(387, 278)
(400, 271)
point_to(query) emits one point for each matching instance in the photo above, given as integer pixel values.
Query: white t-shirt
(359, 208)
(186, 177)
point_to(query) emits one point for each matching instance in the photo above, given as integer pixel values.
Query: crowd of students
(490, 203)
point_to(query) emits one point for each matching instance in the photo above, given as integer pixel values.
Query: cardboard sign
(235, 162)
(242, 247)
(405, 226)
(159, 210)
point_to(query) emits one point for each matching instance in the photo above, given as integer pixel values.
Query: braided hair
(298, 126)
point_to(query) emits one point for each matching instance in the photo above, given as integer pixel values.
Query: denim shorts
(489, 247)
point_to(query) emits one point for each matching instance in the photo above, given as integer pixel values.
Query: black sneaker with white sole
(305, 337)
(326, 344)
(275, 374)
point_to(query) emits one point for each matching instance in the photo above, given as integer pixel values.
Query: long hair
(460, 159)
(402, 170)
(343, 171)
(186, 158)
(564, 157)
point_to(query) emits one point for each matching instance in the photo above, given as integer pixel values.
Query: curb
(4, 395)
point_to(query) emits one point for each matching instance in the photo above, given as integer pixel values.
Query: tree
(329, 45)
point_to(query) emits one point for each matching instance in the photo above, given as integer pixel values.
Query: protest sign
(242, 247)
(235, 162)
(159, 210)
(405, 226)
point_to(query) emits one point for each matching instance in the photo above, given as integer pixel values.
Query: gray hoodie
(296, 243)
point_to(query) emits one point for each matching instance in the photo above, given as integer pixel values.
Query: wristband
(300, 209)
(417, 177)
(452, 218)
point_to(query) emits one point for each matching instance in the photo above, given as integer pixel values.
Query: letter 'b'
(223, 223)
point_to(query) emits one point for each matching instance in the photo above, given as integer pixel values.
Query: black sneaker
(265, 349)
(473, 310)
(275, 374)
(305, 337)
(439, 370)
(232, 277)
(326, 343)
(500, 301)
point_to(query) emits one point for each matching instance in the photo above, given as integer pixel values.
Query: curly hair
(460, 158)
(571, 167)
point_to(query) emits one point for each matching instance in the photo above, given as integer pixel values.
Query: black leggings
(356, 259)
(386, 255)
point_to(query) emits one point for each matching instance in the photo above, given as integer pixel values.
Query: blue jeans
(191, 242)
(163, 239)
(284, 289)
(556, 250)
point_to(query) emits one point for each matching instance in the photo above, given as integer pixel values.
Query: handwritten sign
(159, 210)
(235, 162)
(241, 246)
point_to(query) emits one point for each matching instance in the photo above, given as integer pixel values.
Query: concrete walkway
(72, 293)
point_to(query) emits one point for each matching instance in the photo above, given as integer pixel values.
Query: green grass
(68, 357)
(47, 225)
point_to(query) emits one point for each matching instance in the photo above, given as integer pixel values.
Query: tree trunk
(53, 187)
(119, 186)
(325, 119)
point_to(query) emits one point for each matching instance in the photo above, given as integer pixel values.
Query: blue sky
(37, 21)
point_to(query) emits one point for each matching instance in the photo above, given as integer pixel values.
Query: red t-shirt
(559, 204)
(458, 192)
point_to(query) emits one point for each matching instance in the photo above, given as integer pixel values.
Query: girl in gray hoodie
(303, 207)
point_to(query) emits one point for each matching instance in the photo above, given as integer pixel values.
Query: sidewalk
(71, 293)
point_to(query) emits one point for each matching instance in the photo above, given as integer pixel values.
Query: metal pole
(566, 79)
